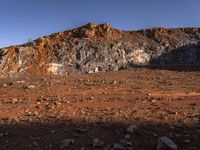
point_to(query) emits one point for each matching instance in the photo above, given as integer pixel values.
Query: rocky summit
(99, 48)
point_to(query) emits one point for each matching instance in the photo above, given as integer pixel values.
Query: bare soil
(38, 113)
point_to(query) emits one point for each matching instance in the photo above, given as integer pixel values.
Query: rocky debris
(100, 48)
(126, 143)
(164, 143)
(82, 130)
(101, 106)
(127, 137)
(97, 143)
(115, 146)
(65, 143)
(132, 128)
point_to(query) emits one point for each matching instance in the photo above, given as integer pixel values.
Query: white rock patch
(140, 57)
(54, 68)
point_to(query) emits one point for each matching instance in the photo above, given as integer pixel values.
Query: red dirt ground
(38, 113)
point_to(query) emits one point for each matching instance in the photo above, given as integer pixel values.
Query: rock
(126, 142)
(140, 57)
(81, 130)
(35, 143)
(65, 143)
(106, 26)
(164, 143)
(118, 146)
(153, 101)
(127, 137)
(115, 146)
(187, 141)
(14, 100)
(132, 128)
(97, 143)
(114, 82)
(31, 87)
(89, 49)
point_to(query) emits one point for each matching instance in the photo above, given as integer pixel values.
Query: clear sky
(24, 19)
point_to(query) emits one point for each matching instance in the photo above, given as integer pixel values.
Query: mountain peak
(93, 30)
(92, 25)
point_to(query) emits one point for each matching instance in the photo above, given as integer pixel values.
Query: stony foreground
(117, 110)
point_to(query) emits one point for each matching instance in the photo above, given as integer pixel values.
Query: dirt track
(37, 114)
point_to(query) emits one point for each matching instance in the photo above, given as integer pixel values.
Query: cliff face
(97, 48)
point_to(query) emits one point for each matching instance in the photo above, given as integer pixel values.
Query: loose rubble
(164, 143)
(132, 128)
(97, 143)
(65, 144)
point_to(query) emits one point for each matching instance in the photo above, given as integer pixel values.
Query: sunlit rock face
(100, 48)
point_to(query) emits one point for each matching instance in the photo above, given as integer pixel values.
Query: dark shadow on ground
(47, 135)
(185, 58)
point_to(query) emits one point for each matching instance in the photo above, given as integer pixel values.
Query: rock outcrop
(100, 48)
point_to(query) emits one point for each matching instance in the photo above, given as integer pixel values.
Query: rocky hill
(100, 48)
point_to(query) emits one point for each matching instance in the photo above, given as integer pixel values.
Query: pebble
(31, 87)
(14, 100)
(114, 82)
(126, 142)
(132, 128)
(153, 101)
(81, 130)
(187, 141)
(127, 137)
(118, 146)
(97, 143)
(115, 146)
(65, 143)
(164, 143)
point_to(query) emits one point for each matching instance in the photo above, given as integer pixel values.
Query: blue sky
(24, 19)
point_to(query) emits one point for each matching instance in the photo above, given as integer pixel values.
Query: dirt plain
(39, 113)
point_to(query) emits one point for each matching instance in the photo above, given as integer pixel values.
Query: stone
(187, 141)
(126, 142)
(114, 82)
(97, 143)
(115, 146)
(31, 87)
(153, 101)
(14, 100)
(81, 130)
(118, 146)
(127, 137)
(132, 128)
(65, 143)
(164, 143)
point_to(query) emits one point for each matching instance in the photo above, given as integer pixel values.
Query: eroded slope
(96, 48)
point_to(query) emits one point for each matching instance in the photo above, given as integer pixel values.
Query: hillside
(100, 48)
(145, 96)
